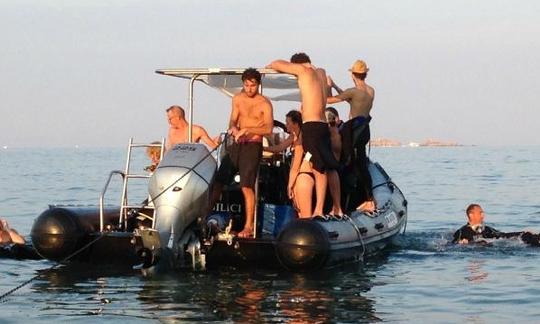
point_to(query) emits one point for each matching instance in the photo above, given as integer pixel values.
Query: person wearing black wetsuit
(475, 230)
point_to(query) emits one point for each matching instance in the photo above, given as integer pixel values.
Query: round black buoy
(56, 233)
(303, 245)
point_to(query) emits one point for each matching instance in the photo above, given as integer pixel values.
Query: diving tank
(179, 189)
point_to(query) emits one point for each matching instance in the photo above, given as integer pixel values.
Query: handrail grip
(137, 176)
(102, 195)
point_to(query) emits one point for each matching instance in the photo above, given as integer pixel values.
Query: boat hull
(283, 241)
(313, 244)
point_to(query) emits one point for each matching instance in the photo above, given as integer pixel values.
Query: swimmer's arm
(511, 234)
(457, 238)
(15, 237)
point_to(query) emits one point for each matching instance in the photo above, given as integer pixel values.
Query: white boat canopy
(228, 80)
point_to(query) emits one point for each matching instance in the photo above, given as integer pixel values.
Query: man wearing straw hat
(355, 132)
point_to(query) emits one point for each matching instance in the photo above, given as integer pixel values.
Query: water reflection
(221, 295)
(476, 273)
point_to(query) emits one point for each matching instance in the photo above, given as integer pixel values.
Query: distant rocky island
(386, 142)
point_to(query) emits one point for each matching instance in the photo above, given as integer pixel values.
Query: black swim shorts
(316, 142)
(243, 158)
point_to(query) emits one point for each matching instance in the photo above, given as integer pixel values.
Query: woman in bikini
(301, 180)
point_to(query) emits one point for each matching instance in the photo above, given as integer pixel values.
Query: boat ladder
(127, 174)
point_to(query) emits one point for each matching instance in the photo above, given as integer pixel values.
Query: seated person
(475, 230)
(179, 130)
(9, 235)
(301, 179)
(154, 154)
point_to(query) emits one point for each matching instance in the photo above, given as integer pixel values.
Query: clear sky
(82, 72)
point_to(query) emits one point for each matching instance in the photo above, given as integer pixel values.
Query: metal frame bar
(182, 72)
(123, 200)
(190, 122)
(102, 197)
(124, 206)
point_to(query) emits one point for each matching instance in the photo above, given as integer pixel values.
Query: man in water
(179, 130)
(475, 231)
(251, 118)
(312, 83)
(9, 235)
(355, 132)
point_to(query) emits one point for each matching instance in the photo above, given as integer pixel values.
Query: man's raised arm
(286, 67)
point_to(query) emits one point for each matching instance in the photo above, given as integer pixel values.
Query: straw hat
(359, 67)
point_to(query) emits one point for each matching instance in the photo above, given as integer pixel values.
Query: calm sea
(423, 279)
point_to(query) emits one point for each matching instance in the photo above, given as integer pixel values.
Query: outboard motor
(179, 189)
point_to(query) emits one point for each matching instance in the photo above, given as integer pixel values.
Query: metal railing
(125, 207)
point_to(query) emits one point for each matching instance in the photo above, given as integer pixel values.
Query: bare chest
(251, 110)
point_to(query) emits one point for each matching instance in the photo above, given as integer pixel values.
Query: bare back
(313, 87)
(360, 98)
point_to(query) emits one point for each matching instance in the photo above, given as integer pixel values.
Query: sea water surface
(422, 279)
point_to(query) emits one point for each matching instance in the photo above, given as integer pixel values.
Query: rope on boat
(11, 291)
(348, 218)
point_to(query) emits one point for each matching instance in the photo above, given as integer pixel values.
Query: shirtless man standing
(316, 136)
(179, 130)
(355, 132)
(251, 119)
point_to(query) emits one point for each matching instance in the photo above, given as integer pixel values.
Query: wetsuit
(355, 135)
(19, 252)
(479, 232)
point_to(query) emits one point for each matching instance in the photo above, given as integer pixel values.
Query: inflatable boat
(171, 230)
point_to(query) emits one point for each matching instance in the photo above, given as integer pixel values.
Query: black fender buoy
(303, 245)
(60, 231)
(56, 234)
